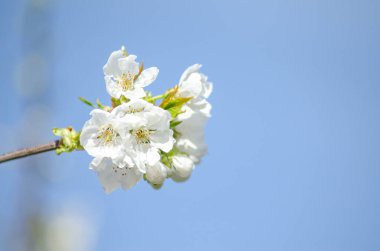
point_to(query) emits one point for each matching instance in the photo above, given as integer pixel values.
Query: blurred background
(294, 152)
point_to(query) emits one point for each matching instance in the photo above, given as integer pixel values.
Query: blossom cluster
(135, 138)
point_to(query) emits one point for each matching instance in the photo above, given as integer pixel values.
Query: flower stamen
(107, 135)
(126, 81)
(142, 135)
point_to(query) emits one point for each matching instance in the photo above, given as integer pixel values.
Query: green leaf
(100, 104)
(86, 101)
(173, 103)
(174, 123)
(175, 111)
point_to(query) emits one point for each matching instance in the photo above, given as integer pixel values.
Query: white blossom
(148, 131)
(113, 176)
(102, 135)
(134, 138)
(122, 76)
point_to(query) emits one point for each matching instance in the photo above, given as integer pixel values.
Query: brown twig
(29, 151)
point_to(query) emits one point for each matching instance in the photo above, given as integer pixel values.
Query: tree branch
(29, 151)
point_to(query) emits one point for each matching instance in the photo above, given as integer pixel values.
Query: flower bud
(156, 174)
(183, 167)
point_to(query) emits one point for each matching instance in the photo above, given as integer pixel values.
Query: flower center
(107, 135)
(132, 110)
(126, 81)
(142, 135)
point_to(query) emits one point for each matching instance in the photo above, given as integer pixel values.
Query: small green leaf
(100, 104)
(174, 123)
(86, 101)
(175, 111)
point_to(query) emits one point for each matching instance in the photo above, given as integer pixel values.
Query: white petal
(132, 177)
(191, 69)
(152, 156)
(208, 87)
(104, 169)
(113, 88)
(147, 77)
(163, 140)
(146, 155)
(136, 93)
(201, 106)
(129, 65)
(194, 147)
(134, 107)
(112, 65)
(192, 86)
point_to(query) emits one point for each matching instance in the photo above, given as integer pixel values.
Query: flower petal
(128, 65)
(112, 65)
(191, 69)
(163, 140)
(104, 168)
(147, 77)
(136, 93)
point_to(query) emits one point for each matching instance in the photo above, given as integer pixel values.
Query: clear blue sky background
(294, 152)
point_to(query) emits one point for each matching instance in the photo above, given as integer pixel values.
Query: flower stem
(157, 97)
(29, 151)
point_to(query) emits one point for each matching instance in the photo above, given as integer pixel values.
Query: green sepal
(115, 102)
(156, 187)
(70, 140)
(86, 101)
(125, 53)
(123, 99)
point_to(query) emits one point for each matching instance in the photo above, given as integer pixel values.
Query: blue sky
(294, 152)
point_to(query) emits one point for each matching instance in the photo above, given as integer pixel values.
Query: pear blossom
(156, 174)
(113, 176)
(148, 131)
(124, 76)
(183, 166)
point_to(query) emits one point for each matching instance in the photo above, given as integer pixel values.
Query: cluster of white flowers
(136, 138)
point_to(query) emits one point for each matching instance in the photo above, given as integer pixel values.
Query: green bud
(69, 139)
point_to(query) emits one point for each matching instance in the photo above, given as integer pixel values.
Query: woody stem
(29, 151)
